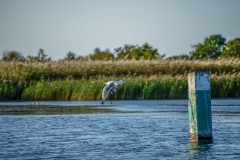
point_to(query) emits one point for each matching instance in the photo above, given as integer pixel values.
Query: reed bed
(84, 80)
(35, 71)
(132, 88)
(165, 87)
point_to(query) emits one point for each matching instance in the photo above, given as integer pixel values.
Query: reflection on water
(52, 110)
(226, 107)
(198, 151)
(124, 130)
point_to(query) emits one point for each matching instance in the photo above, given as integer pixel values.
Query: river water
(122, 130)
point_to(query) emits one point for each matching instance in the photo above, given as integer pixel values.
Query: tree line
(212, 47)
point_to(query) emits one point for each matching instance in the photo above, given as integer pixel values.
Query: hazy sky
(60, 26)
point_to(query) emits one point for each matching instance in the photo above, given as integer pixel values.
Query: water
(128, 130)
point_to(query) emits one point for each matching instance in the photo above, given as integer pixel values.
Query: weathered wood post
(199, 107)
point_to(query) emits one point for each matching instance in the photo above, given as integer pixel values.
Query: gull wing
(114, 87)
(107, 89)
(111, 85)
(109, 82)
(118, 82)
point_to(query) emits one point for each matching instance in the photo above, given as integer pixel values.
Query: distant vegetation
(213, 47)
(144, 71)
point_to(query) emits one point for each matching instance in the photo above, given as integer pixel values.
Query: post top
(199, 81)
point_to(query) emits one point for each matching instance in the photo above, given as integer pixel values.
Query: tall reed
(63, 90)
(35, 71)
(165, 87)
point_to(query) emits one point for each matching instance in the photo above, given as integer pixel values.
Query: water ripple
(145, 135)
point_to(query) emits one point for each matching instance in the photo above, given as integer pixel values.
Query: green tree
(149, 52)
(101, 55)
(12, 56)
(145, 51)
(70, 56)
(232, 49)
(125, 52)
(212, 47)
(41, 57)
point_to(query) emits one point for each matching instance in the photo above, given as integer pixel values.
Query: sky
(80, 26)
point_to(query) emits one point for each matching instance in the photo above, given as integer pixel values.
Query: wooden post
(199, 107)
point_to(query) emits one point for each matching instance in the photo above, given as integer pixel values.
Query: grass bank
(84, 80)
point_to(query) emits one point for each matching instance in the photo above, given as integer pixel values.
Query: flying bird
(111, 86)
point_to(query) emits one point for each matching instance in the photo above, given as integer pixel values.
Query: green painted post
(199, 107)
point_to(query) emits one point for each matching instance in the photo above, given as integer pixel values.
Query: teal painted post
(199, 107)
